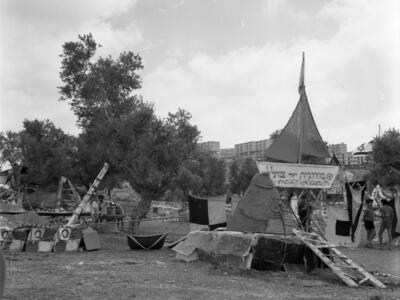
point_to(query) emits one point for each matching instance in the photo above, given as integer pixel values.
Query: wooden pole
(89, 193)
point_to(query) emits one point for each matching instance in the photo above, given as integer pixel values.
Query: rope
(152, 245)
(142, 220)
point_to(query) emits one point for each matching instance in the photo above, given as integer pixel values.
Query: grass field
(115, 272)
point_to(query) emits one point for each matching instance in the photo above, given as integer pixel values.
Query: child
(369, 221)
(387, 221)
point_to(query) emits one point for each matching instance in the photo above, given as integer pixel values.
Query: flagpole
(301, 133)
(301, 92)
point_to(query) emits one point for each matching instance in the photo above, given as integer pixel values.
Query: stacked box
(74, 240)
(31, 246)
(59, 246)
(20, 236)
(68, 239)
(46, 244)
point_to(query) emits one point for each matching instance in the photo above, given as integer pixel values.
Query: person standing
(369, 221)
(387, 222)
(228, 203)
(304, 209)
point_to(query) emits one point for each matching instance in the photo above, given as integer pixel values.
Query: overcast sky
(234, 65)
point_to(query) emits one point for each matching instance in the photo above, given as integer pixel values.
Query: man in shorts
(387, 221)
(369, 221)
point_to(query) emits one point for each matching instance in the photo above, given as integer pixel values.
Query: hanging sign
(298, 175)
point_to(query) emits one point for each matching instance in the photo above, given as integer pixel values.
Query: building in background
(212, 147)
(337, 148)
(341, 153)
(255, 150)
(227, 154)
(362, 154)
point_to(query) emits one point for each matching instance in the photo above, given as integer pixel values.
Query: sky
(234, 65)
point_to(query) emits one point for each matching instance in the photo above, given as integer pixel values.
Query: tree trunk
(20, 192)
(139, 212)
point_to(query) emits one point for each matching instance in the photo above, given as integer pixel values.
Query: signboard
(298, 175)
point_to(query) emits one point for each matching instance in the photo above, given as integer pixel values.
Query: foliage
(202, 175)
(98, 91)
(386, 156)
(10, 147)
(273, 136)
(46, 152)
(234, 182)
(212, 172)
(120, 128)
(241, 175)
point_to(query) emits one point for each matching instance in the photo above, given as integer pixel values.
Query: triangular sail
(300, 137)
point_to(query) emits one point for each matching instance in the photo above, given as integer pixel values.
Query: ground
(115, 272)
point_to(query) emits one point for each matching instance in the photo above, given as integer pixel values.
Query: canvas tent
(259, 210)
(300, 137)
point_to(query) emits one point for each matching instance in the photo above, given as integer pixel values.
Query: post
(89, 193)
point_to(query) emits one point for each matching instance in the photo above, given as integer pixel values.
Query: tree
(241, 176)
(234, 183)
(212, 172)
(48, 152)
(386, 156)
(39, 153)
(273, 136)
(102, 90)
(121, 128)
(11, 153)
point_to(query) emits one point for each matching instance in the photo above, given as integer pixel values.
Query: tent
(208, 212)
(259, 210)
(300, 137)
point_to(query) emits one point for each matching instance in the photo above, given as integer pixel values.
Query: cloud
(33, 33)
(247, 93)
(239, 83)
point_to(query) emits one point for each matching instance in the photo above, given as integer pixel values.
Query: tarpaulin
(336, 222)
(208, 211)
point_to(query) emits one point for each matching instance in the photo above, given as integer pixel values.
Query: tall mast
(302, 92)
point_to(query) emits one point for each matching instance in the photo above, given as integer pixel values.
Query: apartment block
(210, 146)
(337, 148)
(227, 154)
(255, 150)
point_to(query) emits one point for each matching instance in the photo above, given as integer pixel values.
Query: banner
(298, 175)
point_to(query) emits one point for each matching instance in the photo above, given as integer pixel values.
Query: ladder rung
(324, 246)
(363, 280)
(334, 255)
(316, 241)
(345, 266)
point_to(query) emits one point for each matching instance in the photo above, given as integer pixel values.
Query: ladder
(339, 263)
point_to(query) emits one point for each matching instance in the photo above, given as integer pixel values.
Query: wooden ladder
(339, 263)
